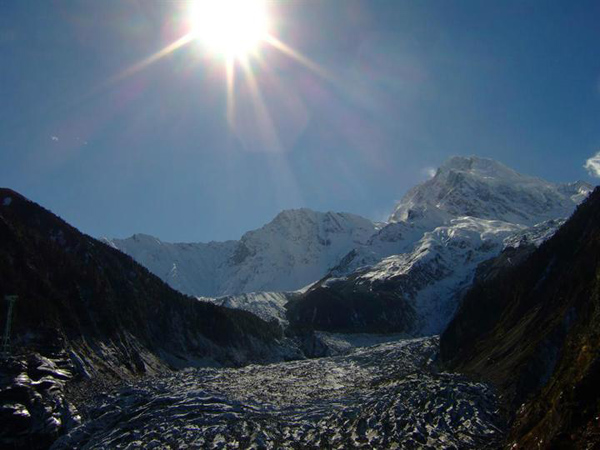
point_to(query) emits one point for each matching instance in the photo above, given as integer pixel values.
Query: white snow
(440, 231)
(487, 189)
(266, 305)
(444, 228)
(295, 249)
(7, 201)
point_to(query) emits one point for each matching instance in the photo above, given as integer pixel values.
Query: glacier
(388, 395)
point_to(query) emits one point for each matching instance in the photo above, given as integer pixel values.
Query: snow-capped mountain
(266, 305)
(487, 189)
(426, 256)
(405, 275)
(296, 248)
(467, 187)
(191, 268)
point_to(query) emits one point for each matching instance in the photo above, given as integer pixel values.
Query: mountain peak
(294, 214)
(476, 165)
(144, 237)
(487, 189)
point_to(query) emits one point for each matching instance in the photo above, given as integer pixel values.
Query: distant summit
(405, 275)
(487, 189)
(411, 274)
(296, 248)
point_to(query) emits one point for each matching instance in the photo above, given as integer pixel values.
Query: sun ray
(265, 122)
(229, 44)
(296, 55)
(230, 80)
(153, 58)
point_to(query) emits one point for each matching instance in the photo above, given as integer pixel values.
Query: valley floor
(385, 396)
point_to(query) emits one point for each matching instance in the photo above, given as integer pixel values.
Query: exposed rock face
(33, 408)
(533, 329)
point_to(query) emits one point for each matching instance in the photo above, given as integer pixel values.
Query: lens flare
(230, 28)
(232, 32)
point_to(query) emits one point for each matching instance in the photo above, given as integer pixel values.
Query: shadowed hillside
(88, 312)
(534, 331)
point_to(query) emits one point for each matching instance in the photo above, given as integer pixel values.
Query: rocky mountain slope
(533, 329)
(383, 396)
(89, 312)
(405, 275)
(487, 189)
(268, 306)
(89, 316)
(411, 274)
(295, 249)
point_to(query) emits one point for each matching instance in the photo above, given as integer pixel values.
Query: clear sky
(392, 88)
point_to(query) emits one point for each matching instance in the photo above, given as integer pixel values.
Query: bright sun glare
(231, 28)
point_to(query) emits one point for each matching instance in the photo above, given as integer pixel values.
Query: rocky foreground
(384, 396)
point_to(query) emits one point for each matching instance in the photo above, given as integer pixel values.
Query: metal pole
(11, 299)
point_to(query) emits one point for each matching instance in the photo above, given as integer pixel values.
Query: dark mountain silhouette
(350, 307)
(533, 329)
(88, 311)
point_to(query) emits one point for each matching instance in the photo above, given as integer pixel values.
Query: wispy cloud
(592, 165)
(54, 138)
(429, 172)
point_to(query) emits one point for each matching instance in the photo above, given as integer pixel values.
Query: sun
(233, 29)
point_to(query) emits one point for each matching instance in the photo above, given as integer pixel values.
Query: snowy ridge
(295, 249)
(438, 234)
(266, 305)
(487, 189)
(444, 228)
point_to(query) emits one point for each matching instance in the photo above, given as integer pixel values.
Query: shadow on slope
(87, 311)
(534, 331)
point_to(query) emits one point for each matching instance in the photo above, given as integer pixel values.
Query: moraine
(384, 396)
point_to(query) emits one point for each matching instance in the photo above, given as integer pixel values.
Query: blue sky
(408, 84)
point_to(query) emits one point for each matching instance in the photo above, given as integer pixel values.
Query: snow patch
(292, 251)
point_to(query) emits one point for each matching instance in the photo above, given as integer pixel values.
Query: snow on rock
(440, 231)
(33, 407)
(440, 266)
(535, 235)
(190, 268)
(444, 228)
(466, 187)
(479, 187)
(295, 249)
(266, 305)
(7, 201)
(385, 396)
